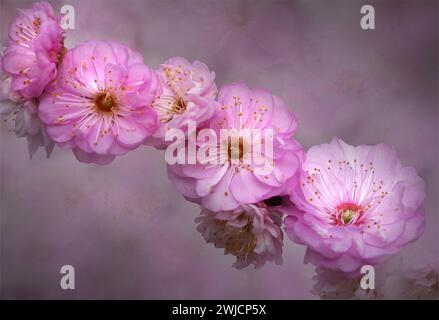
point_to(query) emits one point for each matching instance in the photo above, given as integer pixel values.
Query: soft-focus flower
(236, 179)
(333, 284)
(422, 282)
(397, 278)
(416, 278)
(189, 93)
(23, 113)
(100, 105)
(35, 48)
(28, 125)
(251, 233)
(356, 205)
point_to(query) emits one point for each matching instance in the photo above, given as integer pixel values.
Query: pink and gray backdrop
(125, 229)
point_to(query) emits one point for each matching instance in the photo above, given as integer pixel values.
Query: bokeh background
(124, 228)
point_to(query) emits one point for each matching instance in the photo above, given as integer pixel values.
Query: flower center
(348, 213)
(239, 241)
(179, 106)
(168, 107)
(105, 102)
(235, 148)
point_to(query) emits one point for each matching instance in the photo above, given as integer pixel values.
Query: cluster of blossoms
(349, 205)
(28, 65)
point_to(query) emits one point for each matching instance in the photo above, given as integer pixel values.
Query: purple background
(124, 228)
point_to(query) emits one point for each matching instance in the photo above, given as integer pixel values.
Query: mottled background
(128, 233)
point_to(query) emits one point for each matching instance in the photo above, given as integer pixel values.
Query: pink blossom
(100, 105)
(235, 180)
(251, 233)
(23, 114)
(189, 92)
(355, 205)
(28, 125)
(34, 50)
